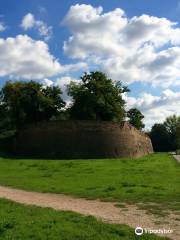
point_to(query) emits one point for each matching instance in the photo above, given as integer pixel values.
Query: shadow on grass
(12, 156)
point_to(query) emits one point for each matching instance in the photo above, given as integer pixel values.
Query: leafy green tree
(160, 138)
(97, 97)
(5, 121)
(166, 136)
(171, 123)
(28, 102)
(135, 118)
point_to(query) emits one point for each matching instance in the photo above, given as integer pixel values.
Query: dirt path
(106, 211)
(177, 157)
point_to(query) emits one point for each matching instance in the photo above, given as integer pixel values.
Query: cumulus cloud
(92, 31)
(156, 108)
(76, 67)
(23, 57)
(26, 58)
(138, 49)
(29, 22)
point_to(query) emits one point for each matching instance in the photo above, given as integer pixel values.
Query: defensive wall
(81, 139)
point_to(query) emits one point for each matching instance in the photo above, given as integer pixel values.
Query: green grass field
(26, 222)
(153, 178)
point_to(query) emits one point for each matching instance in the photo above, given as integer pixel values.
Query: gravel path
(177, 157)
(106, 211)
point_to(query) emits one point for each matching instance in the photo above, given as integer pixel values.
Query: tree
(178, 138)
(166, 136)
(5, 121)
(135, 118)
(97, 97)
(160, 138)
(28, 102)
(172, 124)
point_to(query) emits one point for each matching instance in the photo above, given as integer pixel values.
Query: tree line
(95, 97)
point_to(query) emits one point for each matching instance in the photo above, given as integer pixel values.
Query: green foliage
(28, 102)
(178, 138)
(35, 223)
(97, 98)
(171, 123)
(5, 121)
(166, 136)
(135, 118)
(160, 138)
(152, 178)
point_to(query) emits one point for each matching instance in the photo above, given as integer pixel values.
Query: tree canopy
(135, 118)
(28, 102)
(97, 97)
(160, 138)
(166, 136)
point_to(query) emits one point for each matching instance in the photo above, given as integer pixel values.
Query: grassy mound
(153, 178)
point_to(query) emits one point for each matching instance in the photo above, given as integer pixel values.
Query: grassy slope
(22, 222)
(153, 178)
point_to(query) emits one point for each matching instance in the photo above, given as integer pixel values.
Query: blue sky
(132, 41)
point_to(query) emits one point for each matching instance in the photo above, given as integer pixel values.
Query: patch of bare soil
(106, 211)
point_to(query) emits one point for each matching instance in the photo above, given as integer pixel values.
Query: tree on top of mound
(28, 102)
(97, 97)
(135, 118)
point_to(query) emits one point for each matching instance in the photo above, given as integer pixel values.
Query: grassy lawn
(27, 222)
(153, 178)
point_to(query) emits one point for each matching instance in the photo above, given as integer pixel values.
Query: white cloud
(76, 67)
(62, 82)
(138, 49)
(23, 57)
(91, 31)
(47, 82)
(29, 22)
(156, 108)
(2, 27)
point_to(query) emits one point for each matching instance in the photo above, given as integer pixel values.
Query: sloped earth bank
(106, 211)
